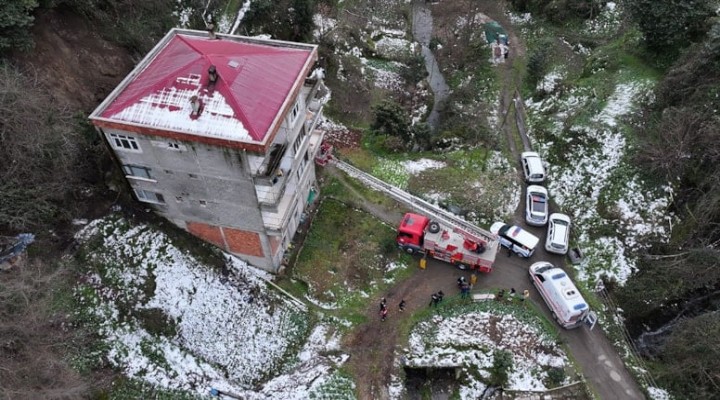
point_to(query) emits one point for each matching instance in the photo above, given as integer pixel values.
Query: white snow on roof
(170, 109)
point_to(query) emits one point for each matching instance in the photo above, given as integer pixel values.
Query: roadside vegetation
(347, 257)
(645, 216)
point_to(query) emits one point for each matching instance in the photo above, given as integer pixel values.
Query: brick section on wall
(243, 242)
(208, 233)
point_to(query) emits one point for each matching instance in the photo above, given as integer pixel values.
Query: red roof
(254, 81)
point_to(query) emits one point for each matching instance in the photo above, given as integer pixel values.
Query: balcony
(278, 220)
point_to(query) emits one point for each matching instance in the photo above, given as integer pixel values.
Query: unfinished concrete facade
(218, 135)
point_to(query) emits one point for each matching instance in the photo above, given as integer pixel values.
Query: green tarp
(493, 31)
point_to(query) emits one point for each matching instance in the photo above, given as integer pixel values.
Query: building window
(294, 113)
(124, 142)
(299, 140)
(149, 197)
(137, 171)
(169, 145)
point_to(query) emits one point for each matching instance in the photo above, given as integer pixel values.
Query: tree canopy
(15, 22)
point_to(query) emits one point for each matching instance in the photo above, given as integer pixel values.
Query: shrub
(668, 25)
(413, 70)
(559, 11)
(501, 368)
(15, 23)
(555, 376)
(538, 62)
(392, 120)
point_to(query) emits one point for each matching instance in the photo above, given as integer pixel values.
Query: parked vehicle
(536, 205)
(515, 238)
(558, 234)
(533, 167)
(566, 303)
(418, 234)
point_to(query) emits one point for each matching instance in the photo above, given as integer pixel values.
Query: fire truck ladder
(419, 205)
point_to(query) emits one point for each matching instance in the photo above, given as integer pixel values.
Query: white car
(533, 167)
(558, 234)
(515, 238)
(536, 205)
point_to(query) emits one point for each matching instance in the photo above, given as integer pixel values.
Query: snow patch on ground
(393, 48)
(607, 23)
(467, 342)
(323, 25)
(594, 177)
(550, 81)
(227, 333)
(414, 167)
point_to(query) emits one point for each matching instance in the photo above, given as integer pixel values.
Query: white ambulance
(568, 307)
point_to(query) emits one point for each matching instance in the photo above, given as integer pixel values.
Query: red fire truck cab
(418, 234)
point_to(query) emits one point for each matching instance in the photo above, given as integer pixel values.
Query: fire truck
(419, 234)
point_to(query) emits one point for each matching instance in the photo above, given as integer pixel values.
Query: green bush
(15, 22)
(559, 11)
(413, 70)
(556, 376)
(669, 25)
(391, 119)
(501, 368)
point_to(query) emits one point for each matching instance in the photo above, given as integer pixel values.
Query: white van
(515, 238)
(558, 234)
(533, 167)
(568, 307)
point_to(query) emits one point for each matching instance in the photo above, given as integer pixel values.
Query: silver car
(536, 205)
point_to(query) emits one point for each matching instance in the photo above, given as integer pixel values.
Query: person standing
(526, 295)
(383, 314)
(383, 304)
(402, 305)
(433, 300)
(512, 294)
(440, 295)
(473, 280)
(465, 290)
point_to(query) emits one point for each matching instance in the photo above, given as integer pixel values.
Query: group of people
(513, 294)
(384, 310)
(464, 287)
(500, 50)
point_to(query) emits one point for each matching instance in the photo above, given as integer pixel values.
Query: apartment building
(217, 134)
